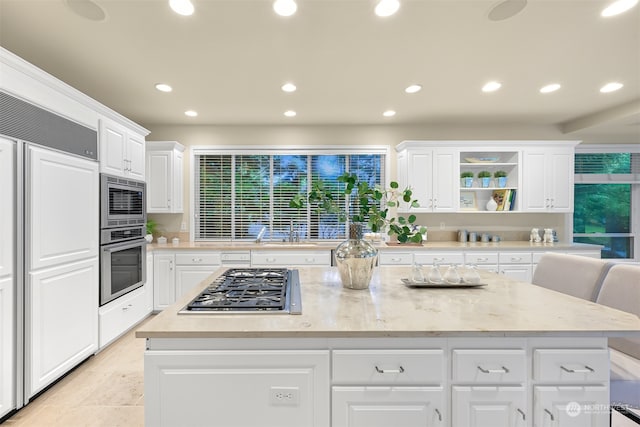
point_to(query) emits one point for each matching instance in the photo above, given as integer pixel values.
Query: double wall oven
(123, 248)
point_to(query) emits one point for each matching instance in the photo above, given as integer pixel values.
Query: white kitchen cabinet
(548, 176)
(571, 406)
(121, 150)
(482, 260)
(63, 319)
(395, 258)
(63, 198)
(122, 314)
(439, 258)
(489, 406)
(517, 265)
(7, 278)
(387, 406)
(285, 388)
(164, 177)
(432, 175)
(175, 273)
(7, 346)
(290, 258)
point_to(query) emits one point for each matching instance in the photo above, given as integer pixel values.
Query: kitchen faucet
(260, 234)
(293, 235)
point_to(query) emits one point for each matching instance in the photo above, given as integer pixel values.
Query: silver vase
(356, 258)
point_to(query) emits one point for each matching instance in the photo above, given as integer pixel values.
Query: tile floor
(107, 391)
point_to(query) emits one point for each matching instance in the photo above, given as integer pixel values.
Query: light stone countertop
(438, 245)
(390, 309)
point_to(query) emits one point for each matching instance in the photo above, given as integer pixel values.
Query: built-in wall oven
(123, 250)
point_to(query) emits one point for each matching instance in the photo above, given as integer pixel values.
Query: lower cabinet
(387, 406)
(121, 314)
(379, 382)
(175, 273)
(280, 388)
(289, 258)
(489, 406)
(7, 346)
(62, 322)
(516, 265)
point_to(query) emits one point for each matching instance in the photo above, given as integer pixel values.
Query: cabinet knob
(521, 413)
(437, 411)
(310, 260)
(493, 371)
(550, 414)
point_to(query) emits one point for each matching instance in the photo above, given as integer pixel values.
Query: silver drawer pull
(516, 258)
(390, 371)
(482, 259)
(521, 413)
(586, 370)
(439, 414)
(196, 259)
(493, 371)
(550, 414)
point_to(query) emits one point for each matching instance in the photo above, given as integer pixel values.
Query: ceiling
(229, 60)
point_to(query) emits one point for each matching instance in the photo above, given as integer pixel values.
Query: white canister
(175, 241)
(162, 240)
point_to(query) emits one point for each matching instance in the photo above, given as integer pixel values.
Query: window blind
(214, 197)
(607, 167)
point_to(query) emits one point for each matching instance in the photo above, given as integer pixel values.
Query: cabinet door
(164, 285)
(113, 147)
(62, 320)
(177, 202)
(533, 189)
(135, 156)
(576, 406)
(286, 388)
(7, 206)
(63, 208)
(519, 272)
(560, 181)
(445, 181)
(7, 346)
(158, 181)
(489, 406)
(419, 178)
(387, 406)
(188, 276)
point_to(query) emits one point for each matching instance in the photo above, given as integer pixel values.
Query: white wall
(319, 136)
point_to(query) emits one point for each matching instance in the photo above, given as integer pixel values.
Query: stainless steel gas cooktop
(250, 290)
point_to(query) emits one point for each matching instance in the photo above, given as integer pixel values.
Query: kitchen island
(508, 353)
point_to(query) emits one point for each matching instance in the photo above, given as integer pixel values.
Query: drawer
(392, 367)
(120, 315)
(515, 258)
(489, 365)
(291, 258)
(481, 257)
(195, 258)
(571, 365)
(536, 256)
(395, 258)
(428, 258)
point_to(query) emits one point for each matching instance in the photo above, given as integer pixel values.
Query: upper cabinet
(164, 177)
(548, 178)
(521, 176)
(121, 150)
(431, 174)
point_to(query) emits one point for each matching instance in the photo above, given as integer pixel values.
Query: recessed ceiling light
(290, 113)
(550, 88)
(618, 7)
(182, 7)
(413, 89)
(191, 113)
(289, 87)
(387, 7)
(491, 87)
(162, 87)
(389, 113)
(611, 87)
(285, 7)
(506, 9)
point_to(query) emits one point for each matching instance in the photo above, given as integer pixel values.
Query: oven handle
(126, 245)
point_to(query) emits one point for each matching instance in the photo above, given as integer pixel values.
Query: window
(238, 194)
(607, 187)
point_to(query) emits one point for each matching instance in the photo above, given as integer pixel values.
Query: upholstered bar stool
(574, 275)
(621, 289)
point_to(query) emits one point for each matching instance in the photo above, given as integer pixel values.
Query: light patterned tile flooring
(108, 391)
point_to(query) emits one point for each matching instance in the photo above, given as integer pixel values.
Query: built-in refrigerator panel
(62, 265)
(8, 278)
